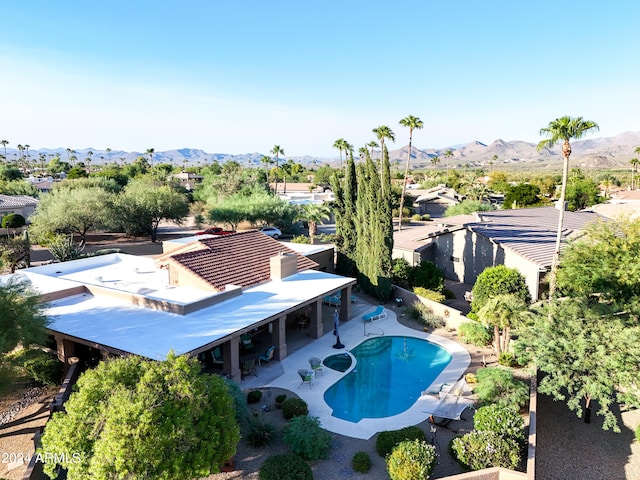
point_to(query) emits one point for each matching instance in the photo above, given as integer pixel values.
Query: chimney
(283, 265)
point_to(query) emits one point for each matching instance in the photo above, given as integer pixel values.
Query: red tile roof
(240, 259)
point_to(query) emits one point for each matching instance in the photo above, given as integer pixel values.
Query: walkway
(284, 374)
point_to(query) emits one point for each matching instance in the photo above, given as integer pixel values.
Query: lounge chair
(316, 365)
(248, 368)
(267, 356)
(377, 314)
(332, 300)
(306, 376)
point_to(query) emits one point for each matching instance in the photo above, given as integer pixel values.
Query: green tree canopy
(466, 207)
(581, 193)
(503, 312)
(522, 195)
(498, 280)
(135, 418)
(71, 210)
(145, 202)
(22, 320)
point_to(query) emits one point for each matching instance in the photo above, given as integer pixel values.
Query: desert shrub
(411, 460)
(294, 407)
(475, 333)
(307, 438)
(388, 439)
(477, 450)
(427, 275)
(499, 419)
(301, 239)
(285, 466)
(13, 220)
(361, 462)
(281, 398)
(638, 433)
(254, 396)
(471, 378)
(43, 368)
(429, 294)
(259, 433)
(416, 216)
(497, 385)
(426, 217)
(507, 359)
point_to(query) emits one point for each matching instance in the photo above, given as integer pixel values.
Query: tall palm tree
(372, 144)
(363, 152)
(89, 155)
(563, 129)
(314, 213)
(266, 160)
(109, 154)
(634, 164)
(277, 150)
(4, 144)
(340, 144)
(435, 161)
(150, 152)
(448, 155)
(383, 132)
(411, 123)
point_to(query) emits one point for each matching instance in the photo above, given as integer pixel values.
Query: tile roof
(240, 259)
(16, 201)
(531, 232)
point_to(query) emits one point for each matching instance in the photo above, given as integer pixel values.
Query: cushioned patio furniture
(267, 356)
(306, 376)
(332, 300)
(248, 368)
(377, 314)
(216, 354)
(246, 342)
(316, 365)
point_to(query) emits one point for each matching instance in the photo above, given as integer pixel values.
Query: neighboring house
(202, 295)
(435, 201)
(301, 193)
(20, 204)
(464, 245)
(523, 239)
(188, 180)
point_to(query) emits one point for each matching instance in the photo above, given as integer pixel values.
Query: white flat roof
(111, 322)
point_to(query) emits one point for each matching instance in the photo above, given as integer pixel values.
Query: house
(202, 296)
(188, 180)
(21, 204)
(464, 245)
(435, 201)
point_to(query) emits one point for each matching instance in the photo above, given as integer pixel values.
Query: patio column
(231, 357)
(66, 350)
(279, 337)
(316, 327)
(345, 304)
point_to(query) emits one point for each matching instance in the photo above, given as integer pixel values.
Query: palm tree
(363, 152)
(383, 132)
(372, 144)
(4, 144)
(89, 154)
(503, 312)
(563, 129)
(435, 161)
(266, 160)
(340, 144)
(109, 154)
(634, 164)
(150, 152)
(447, 155)
(411, 123)
(277, 150)
(314, 213)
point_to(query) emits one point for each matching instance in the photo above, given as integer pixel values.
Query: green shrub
(294, 407)
(448, 294)
(285, 466)
(429, 294)
(281, 398)
(638, 433)
(301, 239)
(497, 385)
(400, 270)
(477, 450)
(254, 396)
(13, 220)
(507, 359)
(239, 400)
(361, 462)
(426, 217)
(387, 440)
(475, 333)
(259, 432)
(43, 368)
(499, 280)
(427, 275)
(307, 438)
(499, 419)
(411, 460)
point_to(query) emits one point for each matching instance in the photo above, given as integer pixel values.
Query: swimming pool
(389, 376)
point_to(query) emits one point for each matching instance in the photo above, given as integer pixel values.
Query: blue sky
(241, 76)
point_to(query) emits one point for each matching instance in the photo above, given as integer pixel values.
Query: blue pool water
(389, 376)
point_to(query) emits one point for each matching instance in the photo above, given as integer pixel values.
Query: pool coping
(353, 333)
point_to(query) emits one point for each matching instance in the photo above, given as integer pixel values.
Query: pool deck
(284, 374)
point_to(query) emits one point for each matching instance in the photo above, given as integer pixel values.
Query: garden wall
(452, 317)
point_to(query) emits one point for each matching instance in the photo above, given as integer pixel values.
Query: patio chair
(248, 368)
(267, 356)
(216, 354)
(316, 365)
(246, 342)
(306, 376)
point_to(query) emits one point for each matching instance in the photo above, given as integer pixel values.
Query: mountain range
(604, 152)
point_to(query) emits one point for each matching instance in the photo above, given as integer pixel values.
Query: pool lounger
(377, 314)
